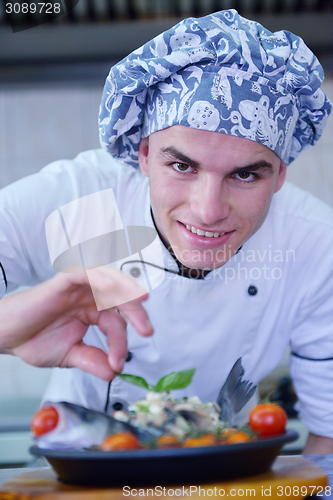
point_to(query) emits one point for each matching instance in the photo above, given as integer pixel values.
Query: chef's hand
(45, 325)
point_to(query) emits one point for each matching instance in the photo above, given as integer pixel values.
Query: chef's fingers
(114, 327)
(89, 359)
(135, 313)
(111, 288)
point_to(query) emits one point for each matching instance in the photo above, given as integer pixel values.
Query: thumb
(89, 359)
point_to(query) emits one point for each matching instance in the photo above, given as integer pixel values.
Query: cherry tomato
(268, 419)
(45, 420)
(205, 440)
(168, 441)
(120, 442)
(238, 437)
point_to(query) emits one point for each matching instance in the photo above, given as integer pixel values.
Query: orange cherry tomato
(120, 442)
(238, 437)
(268, 419)
(168, 441)
(205, 440)
(45, 420)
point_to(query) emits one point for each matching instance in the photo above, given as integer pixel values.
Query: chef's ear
(143, 155)
(281, 176)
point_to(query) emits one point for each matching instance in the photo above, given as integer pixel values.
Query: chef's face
(210, 192)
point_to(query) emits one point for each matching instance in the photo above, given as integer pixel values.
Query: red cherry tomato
(268, 419)
(45, 420)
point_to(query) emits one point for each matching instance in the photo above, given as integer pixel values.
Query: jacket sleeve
(311, 361)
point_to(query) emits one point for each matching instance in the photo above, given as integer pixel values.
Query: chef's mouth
(200, 232)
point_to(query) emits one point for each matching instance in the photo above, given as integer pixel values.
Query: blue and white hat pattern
(222, 73)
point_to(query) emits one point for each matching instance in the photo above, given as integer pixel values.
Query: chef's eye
(181, 167)
(246, 176)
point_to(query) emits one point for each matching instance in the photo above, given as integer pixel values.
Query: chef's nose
(210, 201)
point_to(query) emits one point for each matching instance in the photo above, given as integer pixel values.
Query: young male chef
(198, 125)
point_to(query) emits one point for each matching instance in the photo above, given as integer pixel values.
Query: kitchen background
(51, 79)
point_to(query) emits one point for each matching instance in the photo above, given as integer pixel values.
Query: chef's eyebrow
(174, 154)
(259, 165)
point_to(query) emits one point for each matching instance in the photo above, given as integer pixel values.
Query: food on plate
(160, 420)
(268, 419)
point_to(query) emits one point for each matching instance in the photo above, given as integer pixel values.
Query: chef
(197, 129)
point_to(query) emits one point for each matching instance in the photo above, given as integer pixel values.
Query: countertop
(324, 461)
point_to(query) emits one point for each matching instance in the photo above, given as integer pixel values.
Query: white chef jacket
(276, 291)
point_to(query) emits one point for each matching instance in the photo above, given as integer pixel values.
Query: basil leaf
(175, 380)
(133, 379)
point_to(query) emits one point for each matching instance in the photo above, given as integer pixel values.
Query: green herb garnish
(133, 379)
(173, 381)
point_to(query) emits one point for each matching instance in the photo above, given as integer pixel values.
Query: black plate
(168, 466)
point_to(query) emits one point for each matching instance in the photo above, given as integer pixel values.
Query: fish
(78, 428)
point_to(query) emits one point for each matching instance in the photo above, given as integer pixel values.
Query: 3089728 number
(33, 8)
(296, 491)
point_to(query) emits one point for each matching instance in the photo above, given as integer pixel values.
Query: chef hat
(222, 73)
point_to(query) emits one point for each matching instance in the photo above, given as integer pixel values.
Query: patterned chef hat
(222, 73)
